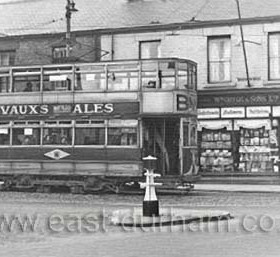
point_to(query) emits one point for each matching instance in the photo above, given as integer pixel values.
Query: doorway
(161, 137)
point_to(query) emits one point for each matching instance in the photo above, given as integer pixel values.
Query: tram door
(161, 139)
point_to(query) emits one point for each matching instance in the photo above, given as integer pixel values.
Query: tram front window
(90, 136)
(26, 136)
(57, 136)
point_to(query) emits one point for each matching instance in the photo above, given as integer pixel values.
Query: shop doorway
(161, 137)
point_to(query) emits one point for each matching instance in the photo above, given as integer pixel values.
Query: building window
(7, 58)
(149, 49)
(219, 59)
(274, 56)
(59, 54)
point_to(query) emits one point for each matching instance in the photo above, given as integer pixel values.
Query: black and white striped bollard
(150, 203)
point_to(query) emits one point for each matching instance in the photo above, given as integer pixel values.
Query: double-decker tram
(87, 126)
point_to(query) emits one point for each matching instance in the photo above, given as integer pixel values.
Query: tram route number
(186, 103)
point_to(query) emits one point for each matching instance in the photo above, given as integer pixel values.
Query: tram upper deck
(82, 82)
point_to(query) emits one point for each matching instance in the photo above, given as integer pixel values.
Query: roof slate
(23, 17)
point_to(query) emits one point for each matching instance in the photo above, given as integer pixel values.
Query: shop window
(26, 136)
(122, 136)
(216, 154)
(274, 56)
(149, 49)
(7, 58)
(4, 136)
(254, 149)
(219, 59)
(90, 136)
(57, 136)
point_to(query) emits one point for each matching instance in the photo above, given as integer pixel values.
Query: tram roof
(32, 17)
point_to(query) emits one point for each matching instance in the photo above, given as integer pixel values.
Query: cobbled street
(49, 225)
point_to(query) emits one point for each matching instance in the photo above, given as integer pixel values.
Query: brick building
(238, 114)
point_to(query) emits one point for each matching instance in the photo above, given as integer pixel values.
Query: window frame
(269, 57)
(148, 42)
(11, 53)
(221, 37)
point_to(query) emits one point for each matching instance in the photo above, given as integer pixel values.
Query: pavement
(238, 188)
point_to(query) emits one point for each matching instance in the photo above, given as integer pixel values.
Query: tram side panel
(54, 161)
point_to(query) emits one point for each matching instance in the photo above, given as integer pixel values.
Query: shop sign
(208, 113)
(233, 112)
(214, 124)
(245, 99)
(74, 109)
(258, 111)
(276, 111)
(252, 124)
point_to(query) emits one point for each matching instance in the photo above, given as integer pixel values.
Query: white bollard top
(149, 158)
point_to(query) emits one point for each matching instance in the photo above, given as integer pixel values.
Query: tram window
(57, 82)
(57, 136)
(167, 75)
(4, 84)
(193, 136)
(186, 134)
(149, 75)
(192, 78)
(26, 83)
(90, 81)
(90, 136)
(183, 79)
(82, 122)
(26, 136)
(183, 75)
(4, 136)
(118, 81)
(122, 136)
(122, 123)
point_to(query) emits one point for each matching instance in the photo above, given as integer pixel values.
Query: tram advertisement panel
(69, 109)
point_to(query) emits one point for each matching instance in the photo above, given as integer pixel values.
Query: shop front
(238, 133)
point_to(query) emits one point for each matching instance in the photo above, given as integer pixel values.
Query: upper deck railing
(127, 75)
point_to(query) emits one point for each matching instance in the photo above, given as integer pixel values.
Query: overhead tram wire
(200, 10)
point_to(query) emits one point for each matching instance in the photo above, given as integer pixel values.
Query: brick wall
(38, 50)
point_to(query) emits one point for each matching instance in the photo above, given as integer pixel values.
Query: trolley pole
(70, 7)
(150, 203)
(243, 43)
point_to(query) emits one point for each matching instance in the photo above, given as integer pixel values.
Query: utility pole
(70, 7)
(243, 44)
